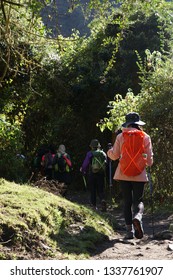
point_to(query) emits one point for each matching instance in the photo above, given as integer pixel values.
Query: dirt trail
(157, 243)
(158, 246)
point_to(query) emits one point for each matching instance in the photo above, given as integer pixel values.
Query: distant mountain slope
(61, 20)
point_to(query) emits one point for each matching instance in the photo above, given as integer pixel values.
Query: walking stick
(32, 175)
(110, 167)
(151, 198)
(84, 180)
(110, 172)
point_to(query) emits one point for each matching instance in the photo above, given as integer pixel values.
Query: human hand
(109, 146)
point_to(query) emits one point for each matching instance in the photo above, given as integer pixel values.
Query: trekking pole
(32, 175)
(110, 172)
(84, 180)
(151, 198)
(110, 167)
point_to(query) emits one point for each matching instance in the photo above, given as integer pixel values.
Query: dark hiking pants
(132, 195)
(96, 184)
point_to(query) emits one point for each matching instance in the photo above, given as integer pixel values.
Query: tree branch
(3, 10)
(12, 3)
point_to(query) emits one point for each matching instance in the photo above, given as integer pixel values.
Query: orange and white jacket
(115, 152)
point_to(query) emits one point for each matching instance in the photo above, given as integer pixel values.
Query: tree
(18, 31)
(62, 86)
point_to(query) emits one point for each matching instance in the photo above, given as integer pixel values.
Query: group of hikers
(55, 165)
(133, 150)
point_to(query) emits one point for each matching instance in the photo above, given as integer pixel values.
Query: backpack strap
(68, 161)
(129, 149)
(102, 164)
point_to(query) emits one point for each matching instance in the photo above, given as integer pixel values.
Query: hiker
(47, 164)
(62, 165)
(36, 166)
(94, 166)
(131, 170)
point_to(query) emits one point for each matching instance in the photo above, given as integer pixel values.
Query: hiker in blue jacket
(96, 173)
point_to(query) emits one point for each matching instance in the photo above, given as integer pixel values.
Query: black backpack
(60, 163)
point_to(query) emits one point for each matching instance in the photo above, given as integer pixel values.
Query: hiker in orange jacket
(132, 187)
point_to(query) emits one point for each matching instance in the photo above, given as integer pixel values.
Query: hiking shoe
(137, 224)
(103, 206)
(129, 235)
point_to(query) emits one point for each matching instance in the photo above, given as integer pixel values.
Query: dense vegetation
(56, 90)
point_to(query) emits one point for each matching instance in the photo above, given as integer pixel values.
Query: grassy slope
(35, 224)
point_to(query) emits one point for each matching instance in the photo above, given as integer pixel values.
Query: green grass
(35, 224)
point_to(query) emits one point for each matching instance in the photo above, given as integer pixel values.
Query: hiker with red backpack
(47, 164)
(133, 148)
(94, 166)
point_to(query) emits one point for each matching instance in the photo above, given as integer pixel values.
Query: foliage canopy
(55, 90)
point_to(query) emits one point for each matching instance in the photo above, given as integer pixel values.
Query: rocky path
(157, 243)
